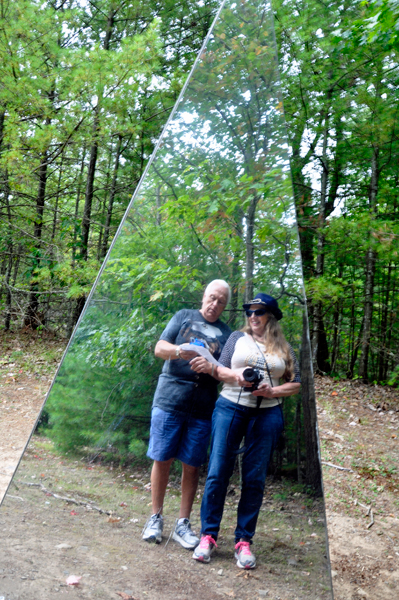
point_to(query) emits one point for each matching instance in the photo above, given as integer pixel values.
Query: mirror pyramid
(215, 202)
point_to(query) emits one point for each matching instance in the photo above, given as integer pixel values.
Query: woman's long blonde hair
(275, 343)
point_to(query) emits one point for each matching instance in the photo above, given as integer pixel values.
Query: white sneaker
(204, 549)
(244, 556)
(184, 534)
(153, 529)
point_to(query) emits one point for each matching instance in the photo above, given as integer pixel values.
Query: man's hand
(240, 379)
(187, 354)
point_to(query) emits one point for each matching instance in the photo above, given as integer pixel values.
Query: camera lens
(250, 374)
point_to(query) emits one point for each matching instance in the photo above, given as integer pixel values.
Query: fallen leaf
(73, 580)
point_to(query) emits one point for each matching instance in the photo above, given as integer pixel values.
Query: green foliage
(198, 212)
(85, 92)
(394, 379)
(379, 22)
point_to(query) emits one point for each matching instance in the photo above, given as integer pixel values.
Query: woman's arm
(286, 389)
(201, 365)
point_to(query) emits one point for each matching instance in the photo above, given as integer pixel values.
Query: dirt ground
(27, 367)
(21, 400)
(46, 539)
(358, 427)
(359, 442)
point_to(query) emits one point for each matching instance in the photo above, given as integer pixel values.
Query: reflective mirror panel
(215, 202)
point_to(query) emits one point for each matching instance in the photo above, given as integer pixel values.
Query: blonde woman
(244, 412)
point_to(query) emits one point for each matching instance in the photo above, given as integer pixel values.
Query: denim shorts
(176, 435)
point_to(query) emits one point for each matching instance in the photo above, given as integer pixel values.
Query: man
(182, 408)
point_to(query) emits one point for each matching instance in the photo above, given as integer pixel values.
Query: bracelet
(212, 370)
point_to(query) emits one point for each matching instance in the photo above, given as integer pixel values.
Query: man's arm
(168, 351)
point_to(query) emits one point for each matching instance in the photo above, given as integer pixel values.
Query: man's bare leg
(159, 481)
(189, 484)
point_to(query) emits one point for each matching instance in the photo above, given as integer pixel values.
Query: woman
(256, 415)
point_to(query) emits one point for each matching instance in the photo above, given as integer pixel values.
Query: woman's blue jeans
(230, 423)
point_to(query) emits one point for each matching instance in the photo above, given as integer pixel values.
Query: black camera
(253, 376)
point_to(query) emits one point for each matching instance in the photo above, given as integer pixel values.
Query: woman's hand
(265, 390)
(199, 364)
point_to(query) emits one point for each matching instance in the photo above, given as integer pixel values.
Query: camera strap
(280, 400)
(264, 356)
(282, 438)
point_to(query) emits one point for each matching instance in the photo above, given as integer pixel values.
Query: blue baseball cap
(268, 302)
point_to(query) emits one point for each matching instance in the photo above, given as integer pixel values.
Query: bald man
(182, 408)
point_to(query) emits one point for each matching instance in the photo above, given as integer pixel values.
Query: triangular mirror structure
(215, 202)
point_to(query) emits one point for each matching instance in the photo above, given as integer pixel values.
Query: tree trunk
(57, 198)
(336, 332)
(318, 328)
(8, 269)
(298, 438)
(249, 246)
(75, 229)
(17, 262)
(313, 476)
(86, 221)
(32, 318)
(7, 318)
(76, 312)
(112, 198)
(383, 332)
(356, 346)
(371, 258)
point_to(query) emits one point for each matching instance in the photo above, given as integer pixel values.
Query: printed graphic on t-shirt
(259, 362)
(194, 331)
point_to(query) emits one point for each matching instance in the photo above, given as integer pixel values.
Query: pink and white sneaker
(203, 551)
(244, 556)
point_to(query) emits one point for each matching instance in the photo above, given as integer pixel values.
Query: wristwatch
(178, 352)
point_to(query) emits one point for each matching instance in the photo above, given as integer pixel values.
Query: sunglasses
(258, 312)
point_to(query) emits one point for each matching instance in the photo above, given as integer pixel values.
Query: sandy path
(21, 398)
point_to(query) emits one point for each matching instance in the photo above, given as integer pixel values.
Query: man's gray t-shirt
(179, 387)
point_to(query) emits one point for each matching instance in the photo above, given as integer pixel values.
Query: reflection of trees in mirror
(216, 202)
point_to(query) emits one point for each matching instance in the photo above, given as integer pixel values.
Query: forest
(85, 91)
